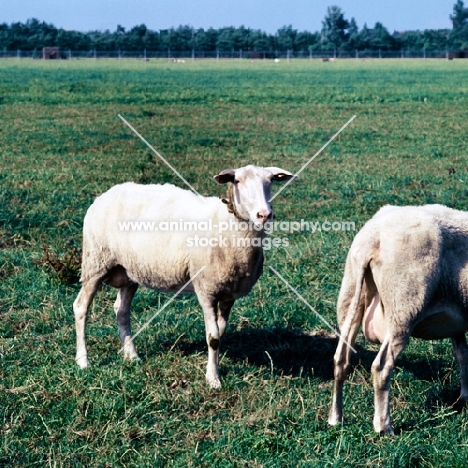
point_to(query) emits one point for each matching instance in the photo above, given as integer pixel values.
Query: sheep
(223, 269)
(406, 275)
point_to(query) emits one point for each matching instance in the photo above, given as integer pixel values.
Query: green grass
(63, 144)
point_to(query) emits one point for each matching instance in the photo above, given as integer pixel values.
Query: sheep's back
(129, 225)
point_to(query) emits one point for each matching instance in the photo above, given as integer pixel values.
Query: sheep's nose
(264, 215)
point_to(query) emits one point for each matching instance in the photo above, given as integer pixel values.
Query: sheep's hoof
(384, 429)
(132, 358)
(214, 383)
(82, 362)
(334, 419)
(129, 350)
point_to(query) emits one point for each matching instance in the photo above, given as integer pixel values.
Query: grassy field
(63, 144)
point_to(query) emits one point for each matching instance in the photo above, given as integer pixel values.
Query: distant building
(262, 55)
(457, 54)
(50, 53)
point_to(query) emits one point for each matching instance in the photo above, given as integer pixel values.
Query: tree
(286, 38)
(5, 37)
(119, 34)
(334, 27)
(381, 38)
(241, 38)
(459, 33)
(260, 41)
(306, 41)
(152, 40)
(353, 34)
(435, 39)
(225, 41)
(362, 40)
(205, 40)
(166, 38)
(136, 38)
(212, 37)
(337, 33)
(410, 40)
(459, 17)
(182, 38)
(104, 40)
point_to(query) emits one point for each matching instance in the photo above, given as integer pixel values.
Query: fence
(196, 55)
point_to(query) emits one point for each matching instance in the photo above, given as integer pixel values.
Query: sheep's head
(249, 191)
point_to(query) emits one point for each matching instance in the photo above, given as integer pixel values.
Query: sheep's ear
(225, 176)
(280, 175)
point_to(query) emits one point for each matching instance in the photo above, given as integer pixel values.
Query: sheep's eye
(236, 181)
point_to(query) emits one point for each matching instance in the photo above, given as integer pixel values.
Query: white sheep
(406, 275)
(166, 260)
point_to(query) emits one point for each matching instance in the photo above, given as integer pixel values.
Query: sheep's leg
(213, 336)
(122, 312)
(382, 368)
(460, 350)
(223, 315)
(80, 309)
(342, 362)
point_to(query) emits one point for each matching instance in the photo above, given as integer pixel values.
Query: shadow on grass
(295, 353)
(436, 371)
(292, 352)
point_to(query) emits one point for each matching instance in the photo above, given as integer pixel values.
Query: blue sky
(267, 15)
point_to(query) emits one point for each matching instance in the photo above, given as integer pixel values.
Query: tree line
(337, 33)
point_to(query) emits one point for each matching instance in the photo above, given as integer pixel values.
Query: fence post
(193, 54)
(18, 54)
(357, 54)
(217, 54)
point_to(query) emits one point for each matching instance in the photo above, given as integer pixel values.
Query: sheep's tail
(352, 318)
